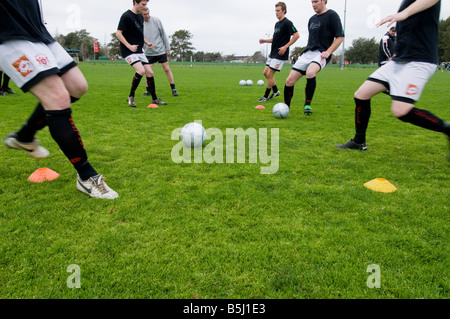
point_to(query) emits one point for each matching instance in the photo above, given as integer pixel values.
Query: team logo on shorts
(129, 60)
(42, 60)
(412, 90)
(24, 66)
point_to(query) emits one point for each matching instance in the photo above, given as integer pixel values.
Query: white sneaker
(96, 187)
(33, 148)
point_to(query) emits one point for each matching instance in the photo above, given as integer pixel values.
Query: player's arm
(415, 7)
(294, 38)
(333, 47)
(121, 38)
(261, 41)
(148, 44)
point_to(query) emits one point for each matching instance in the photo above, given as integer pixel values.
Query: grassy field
(224, 230)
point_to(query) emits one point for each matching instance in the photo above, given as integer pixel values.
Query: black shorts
(159, 58)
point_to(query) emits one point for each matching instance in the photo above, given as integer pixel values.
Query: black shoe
(8, 90)
(353, 146)
(147, 93)
(2, 93)
(158, 101)
(271, 96)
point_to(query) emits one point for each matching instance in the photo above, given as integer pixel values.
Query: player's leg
(362, 98)
(147, 90)
(151, 86)
(268, 74)
(310, 88)
(293, 77)
(169, 74)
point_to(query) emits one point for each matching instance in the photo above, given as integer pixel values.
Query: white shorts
(136, 57)
(307, 58)
(404, 80)
(275, 64)
(27, 63)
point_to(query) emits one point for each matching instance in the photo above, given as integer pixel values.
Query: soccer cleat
(33, 148)
(147, 93)
(174, 92)
(158, 101)
(2, 93)
(96, 187)
(271, 96)
(8, 90)
(263, 99)
(307, 110)
(353, 146)
(130, 101)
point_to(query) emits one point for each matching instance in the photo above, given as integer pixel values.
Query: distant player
(130, 33)
(325, 36)
(387, 47)
(415, 61)
(154, 33)
(284, 35)
(4, 87)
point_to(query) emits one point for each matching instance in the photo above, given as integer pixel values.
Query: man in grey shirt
(154, 33)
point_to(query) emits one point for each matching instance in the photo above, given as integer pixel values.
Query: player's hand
(392, 19)
(282, 50)
(133, 47)
(150, 45)
(325, 54)
(261, 41)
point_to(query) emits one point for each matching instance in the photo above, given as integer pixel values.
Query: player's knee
(290, 81)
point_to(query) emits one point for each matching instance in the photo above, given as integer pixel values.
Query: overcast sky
(225, 26)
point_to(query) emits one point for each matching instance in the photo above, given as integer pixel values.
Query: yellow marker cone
(381, 185)
(42, 175)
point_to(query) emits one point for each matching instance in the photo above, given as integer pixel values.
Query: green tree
(114, 45)
(363, 51)
(181, 45)
(444, 40)
(82, 41)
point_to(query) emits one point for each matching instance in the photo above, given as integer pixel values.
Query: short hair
(137, 1)
(282, 5)
(145, 9)
(392, 29)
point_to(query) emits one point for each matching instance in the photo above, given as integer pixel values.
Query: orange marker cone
(152, 106)
(42, 175)
(260, 107)
(381, 185)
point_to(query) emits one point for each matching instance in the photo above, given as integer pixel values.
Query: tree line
(361, 51)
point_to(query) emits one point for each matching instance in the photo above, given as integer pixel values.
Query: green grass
(225, 230)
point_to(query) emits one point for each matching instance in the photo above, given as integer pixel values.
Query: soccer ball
(249, 82)
(193, 134)
(260, 83)
(280, 110)
(242, 83)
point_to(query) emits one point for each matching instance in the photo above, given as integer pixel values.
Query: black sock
(266, 94)
(274, 89)
(152, 87)
(425, 119)
(288, 94)
(37, 121)
(65, 133)
(309, 90)
(362, 116)
(172, 86)
(135, 83)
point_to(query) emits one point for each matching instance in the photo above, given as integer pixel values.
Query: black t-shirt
(323, 29)
(21, 20)
(417, 36)
(284, 29)
(132, 27)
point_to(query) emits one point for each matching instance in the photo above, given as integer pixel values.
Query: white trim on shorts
(27, 63)
(135, 58)
(275, 64)
(307, 58)
(404, 80)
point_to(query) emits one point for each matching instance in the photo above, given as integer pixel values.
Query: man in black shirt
(414, 62)
(284, 35)
(387, 46)
(130, 33)
(37, 63)
(325, 36)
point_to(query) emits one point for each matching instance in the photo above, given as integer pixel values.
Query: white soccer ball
(242, 82)
(280, 110)
(193, 134)
(260, 83)
(249, 82)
